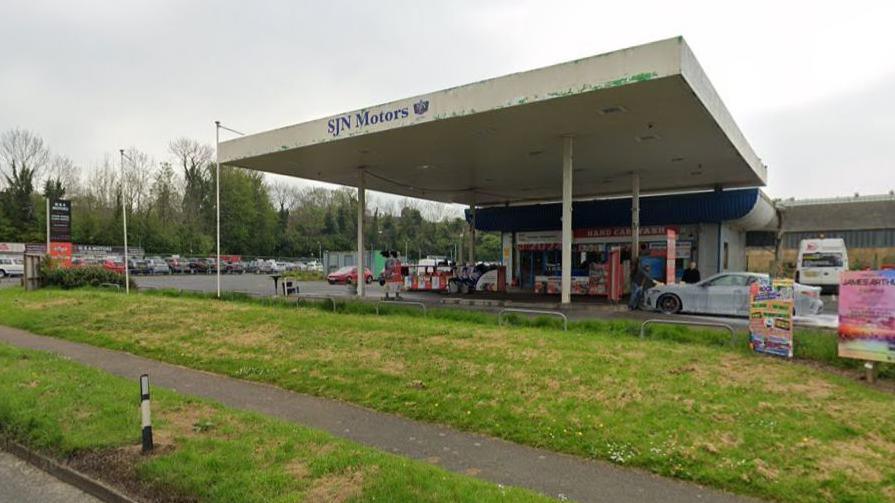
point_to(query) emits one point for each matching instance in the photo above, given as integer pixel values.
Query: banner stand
(870, 370)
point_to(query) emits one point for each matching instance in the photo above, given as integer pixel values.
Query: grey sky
(809, 83)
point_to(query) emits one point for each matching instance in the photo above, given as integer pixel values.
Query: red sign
(61, 253)
(670, 255)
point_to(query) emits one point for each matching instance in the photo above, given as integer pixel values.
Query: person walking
(691, 274)
(640, 284)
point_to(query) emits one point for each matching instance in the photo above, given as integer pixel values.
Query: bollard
(146, 420)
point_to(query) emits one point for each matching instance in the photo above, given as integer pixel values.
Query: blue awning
(679, 209)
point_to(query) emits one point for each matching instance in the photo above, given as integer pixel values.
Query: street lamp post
(217, 191)
(127, 275)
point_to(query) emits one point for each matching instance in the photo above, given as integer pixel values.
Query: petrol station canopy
(647, 110)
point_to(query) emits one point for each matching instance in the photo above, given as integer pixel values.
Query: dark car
(178, 265)
(232, 268)
(199, 266)
(138, 266)
(348, 274)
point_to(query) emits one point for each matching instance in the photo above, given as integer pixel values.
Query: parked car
(114, 265)
(727, 294)
(178, 265)
(348, 274)
(138, 266)
(233, 268)
(156, 265)
(11, 267)
(198, 266)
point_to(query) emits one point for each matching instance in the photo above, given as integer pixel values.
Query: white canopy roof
(648, 109)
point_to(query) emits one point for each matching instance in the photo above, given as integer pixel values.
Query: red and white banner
(61, 252)
(670, 255)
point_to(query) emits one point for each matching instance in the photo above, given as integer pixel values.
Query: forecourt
(642, 119)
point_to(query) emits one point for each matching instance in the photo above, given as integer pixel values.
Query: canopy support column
(472, 233)
(566, 296)
(361, 210)
(635, 218)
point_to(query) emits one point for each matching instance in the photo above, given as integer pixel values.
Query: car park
(348, 275)
(725, 294)
(11, 267)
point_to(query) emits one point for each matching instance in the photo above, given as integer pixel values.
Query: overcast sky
(811, 84)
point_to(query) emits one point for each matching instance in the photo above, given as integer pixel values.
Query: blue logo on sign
(420, 107)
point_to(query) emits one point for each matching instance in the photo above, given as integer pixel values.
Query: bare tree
(23, 149)
(63, 170)
(284, 195)
(139, 171)
(191, 155)
(102, 185)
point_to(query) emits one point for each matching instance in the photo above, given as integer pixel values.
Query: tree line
(171, 209)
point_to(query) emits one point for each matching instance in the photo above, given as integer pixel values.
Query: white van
(820, 262)
(11, 267)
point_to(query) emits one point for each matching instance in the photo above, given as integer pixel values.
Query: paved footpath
(21, 482)
(494, 460)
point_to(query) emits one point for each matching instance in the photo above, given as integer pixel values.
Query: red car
(114, 265)
(348, 274)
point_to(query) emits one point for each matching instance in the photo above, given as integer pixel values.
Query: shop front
(594, 253)
(706, 227)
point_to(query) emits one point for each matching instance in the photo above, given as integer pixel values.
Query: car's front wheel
(669, 304)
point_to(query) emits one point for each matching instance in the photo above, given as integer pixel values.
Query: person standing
(691, 275)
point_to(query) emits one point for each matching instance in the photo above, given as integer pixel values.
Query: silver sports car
(725, 293)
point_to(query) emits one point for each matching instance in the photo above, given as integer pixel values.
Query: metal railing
(401, 303)
(110, 285)
(714, 324)
(305, 296)
(565, 319)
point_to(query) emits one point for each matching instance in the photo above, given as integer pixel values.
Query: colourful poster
(61, 252)
(770, 317)
(867, 315)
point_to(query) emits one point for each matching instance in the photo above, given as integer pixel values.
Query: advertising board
(867, 315)
(60, 221)
(770, 317)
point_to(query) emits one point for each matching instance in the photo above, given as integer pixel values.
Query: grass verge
(203, 450)
(675, 404)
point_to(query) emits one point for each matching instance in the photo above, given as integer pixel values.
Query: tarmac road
(21, 482)
(262, 285)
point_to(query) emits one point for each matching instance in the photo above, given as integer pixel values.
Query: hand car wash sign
(358, 120)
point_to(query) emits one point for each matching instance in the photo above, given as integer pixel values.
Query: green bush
(77, 277)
